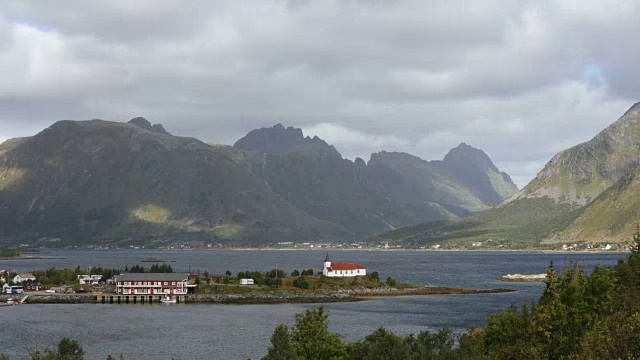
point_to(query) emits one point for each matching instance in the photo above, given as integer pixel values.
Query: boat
(10, 301)
(168, 300)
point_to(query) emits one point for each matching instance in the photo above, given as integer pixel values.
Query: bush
(295, 273)
(390, 281)
(67, 350)
(301, 283)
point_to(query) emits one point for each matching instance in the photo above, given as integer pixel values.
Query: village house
(165, 284)
(218, 277)
(24, 277)
(246, 282)
(342, 269)
(12, 289)
(89, 279)
(33, 286)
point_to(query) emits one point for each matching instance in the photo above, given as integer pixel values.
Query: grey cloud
(521, 80)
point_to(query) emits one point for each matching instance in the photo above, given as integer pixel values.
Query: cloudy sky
(521, 80)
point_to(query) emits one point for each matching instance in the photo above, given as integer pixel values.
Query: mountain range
(589, 193)
(95, 182)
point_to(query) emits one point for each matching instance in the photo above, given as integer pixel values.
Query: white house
(89, 279)
(246, 282)
(342, 269)
(12, 289)
(24, 277)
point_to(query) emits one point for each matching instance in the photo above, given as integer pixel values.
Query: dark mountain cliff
(96, 180)
(279, 140)
(474, 169)
(392, 190)
(99, 181)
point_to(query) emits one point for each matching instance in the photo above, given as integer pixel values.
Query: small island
(153, 259)
(337, 282)
(523, 278)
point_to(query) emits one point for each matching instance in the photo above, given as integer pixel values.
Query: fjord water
(205, 331)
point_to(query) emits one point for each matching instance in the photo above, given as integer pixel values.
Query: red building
(165, 284)
(33, 286)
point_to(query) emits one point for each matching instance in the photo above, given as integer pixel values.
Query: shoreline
(349, 295)
(533, 251)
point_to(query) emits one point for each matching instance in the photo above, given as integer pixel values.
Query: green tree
(313, 339)
(282, 347)
(276, 273)
(308, 272)
(295, 273)
(70, 349)
(301, 283)
(380, 345)
(67, 349)
(390, 281)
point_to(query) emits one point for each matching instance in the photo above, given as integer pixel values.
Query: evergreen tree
(282, 347)
(313, 338)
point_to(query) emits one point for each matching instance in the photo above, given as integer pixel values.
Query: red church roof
(344, 266)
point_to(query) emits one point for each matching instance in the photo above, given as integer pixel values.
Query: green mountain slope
(94, 181)
(586, 193)
(611, 217)
(581, 173)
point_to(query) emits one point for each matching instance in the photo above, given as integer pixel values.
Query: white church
(342, 269)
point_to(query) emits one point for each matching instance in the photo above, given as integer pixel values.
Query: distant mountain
(587, 193)
(390, 191)
(97, 181)
(466, 181)
(93, 181)
(280, 140)
(474, 169)
(145, 124)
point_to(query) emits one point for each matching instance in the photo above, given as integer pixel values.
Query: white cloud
(352, 143)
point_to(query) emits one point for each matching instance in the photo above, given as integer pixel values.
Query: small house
(216, 278)
(12, 289)
(89, 279)
(246, 282)
(33, 286)
(24, 277)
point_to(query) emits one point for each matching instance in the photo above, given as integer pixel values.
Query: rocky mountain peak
(581, 173)
(278, 139)
(634, 108)
(465, 155)
(145, 124)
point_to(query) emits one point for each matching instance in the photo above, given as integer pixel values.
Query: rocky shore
(426, 290)
(52, 299)
(344, 295)
(523, 278)
(270, 298)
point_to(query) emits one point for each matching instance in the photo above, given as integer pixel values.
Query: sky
(518, 79)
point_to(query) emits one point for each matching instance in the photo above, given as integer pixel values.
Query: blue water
(242, 331)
